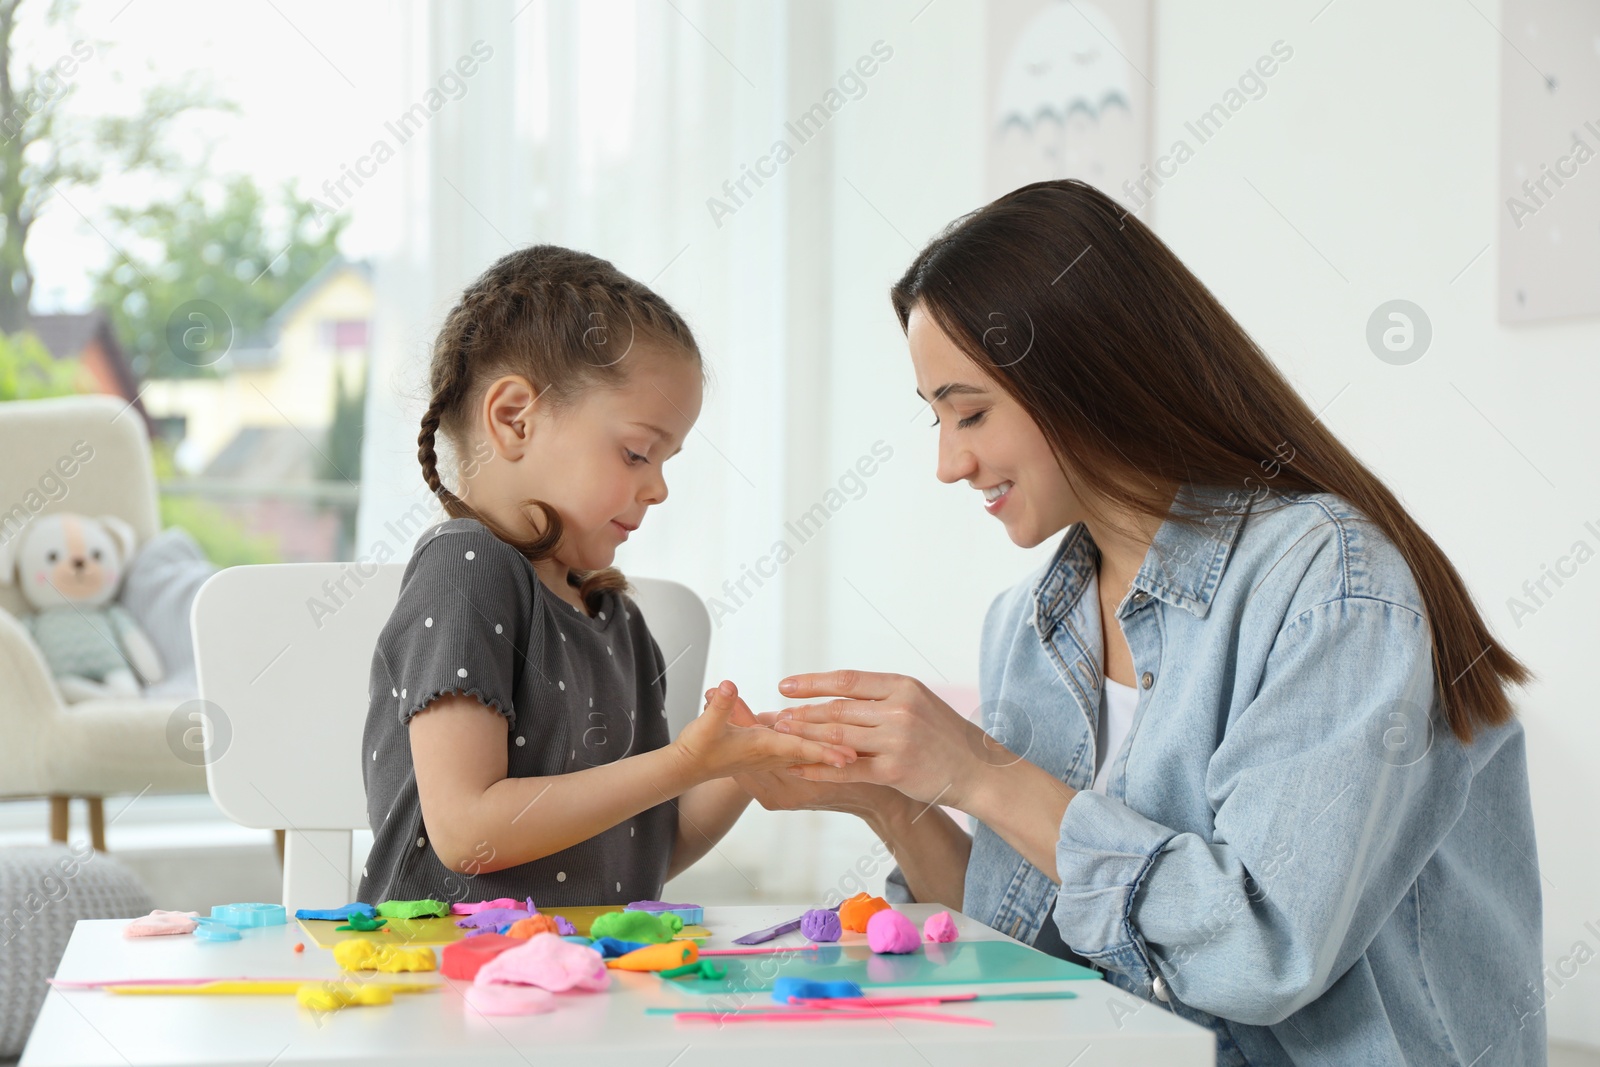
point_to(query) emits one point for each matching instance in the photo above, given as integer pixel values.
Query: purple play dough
(820, 924)
(492, 918)
(657, 905)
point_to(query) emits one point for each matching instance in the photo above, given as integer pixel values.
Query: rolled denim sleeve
(1330, 790)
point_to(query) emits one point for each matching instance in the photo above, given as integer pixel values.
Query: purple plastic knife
(758, 936)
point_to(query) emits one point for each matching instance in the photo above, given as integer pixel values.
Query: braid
(549, 314)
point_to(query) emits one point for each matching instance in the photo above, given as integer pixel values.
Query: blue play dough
(610, 947)
(576, 939)
(341, 914)
(784, 988)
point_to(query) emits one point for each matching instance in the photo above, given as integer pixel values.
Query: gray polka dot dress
(575, 691)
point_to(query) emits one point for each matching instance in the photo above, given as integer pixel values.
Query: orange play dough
(533, 924)
(854, 913)
(657, 957)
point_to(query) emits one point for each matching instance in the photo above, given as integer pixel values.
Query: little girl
(516, 742)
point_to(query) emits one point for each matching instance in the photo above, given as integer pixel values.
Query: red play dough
(463, 958)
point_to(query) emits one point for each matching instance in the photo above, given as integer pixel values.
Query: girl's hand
(908, 738)
(726, 739)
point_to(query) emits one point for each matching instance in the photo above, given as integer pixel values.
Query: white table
(1102, 1026)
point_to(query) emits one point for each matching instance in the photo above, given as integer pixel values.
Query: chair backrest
(287, 692)
(87, 454)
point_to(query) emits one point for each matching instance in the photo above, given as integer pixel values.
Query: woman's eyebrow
(953, 389)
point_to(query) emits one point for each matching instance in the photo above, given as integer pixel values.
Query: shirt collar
(1183, 566)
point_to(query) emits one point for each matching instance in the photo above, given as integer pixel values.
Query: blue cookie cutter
(249, 915)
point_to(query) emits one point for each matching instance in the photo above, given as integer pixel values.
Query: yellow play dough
(373, 956)
(331, 996)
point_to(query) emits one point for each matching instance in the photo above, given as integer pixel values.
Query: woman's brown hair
(1142, 381)
(566, 321)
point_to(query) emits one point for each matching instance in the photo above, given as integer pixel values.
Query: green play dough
(636, 926)
(358, 921)
(413, 909)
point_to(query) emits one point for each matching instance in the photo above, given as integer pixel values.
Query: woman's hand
(780, 791)
(907, 738)
(726, 739)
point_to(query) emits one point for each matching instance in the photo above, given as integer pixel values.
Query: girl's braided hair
(566, 321)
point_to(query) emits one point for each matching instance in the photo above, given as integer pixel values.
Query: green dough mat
(935, 963)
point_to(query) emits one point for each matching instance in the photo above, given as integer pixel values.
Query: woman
(1246, 744)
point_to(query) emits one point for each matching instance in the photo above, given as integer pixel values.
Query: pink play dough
(890, 931)
(162, 922)
(503, 998)
(549, 962)
(463, 908)
(940, 927)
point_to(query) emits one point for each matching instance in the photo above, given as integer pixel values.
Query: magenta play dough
(889, 931)
(940, 927)
(549, 962)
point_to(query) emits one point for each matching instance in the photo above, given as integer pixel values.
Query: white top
(1118, 702)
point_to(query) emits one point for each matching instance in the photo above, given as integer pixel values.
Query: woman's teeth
(994, 493)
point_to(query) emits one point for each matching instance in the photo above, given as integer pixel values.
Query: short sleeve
(461, 621)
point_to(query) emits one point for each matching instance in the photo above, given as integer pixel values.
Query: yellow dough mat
(444, 930)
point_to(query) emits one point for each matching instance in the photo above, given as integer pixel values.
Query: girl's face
(987, 440)
(597, 459)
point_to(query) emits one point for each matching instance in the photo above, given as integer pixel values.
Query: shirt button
(1140, 597)
(1147, 679)
(1159, 987)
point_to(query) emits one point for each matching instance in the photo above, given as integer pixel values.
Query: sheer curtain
(608, 126)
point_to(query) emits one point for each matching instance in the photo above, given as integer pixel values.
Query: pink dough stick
(759, 950)
(72, 983)
(883, 1002)
(826, 1016)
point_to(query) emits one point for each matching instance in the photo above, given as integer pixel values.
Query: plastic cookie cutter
(214, 930)
(242, 916)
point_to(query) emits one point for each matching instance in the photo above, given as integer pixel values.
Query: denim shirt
(1293, 849)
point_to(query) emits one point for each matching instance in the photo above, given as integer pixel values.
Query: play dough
(331, 996)
(689, 913)
(611, 947)
(660, 957)
(413, 909)
(784, 988)
(505, 998)
(495, 918)
(362, 922)
(889, 931)
(377, 956)
(341, 913)
(548, 962)
(463, 959)
(636, 926)
(159, 922)
(854, 913)
(820, 924)
(463, 908)
(940, 927)
(533, 924)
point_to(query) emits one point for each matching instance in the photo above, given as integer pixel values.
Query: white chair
(288, 696)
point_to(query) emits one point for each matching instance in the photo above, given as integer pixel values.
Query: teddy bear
(70, 568)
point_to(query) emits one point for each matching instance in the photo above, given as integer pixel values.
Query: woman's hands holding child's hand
(727, 738)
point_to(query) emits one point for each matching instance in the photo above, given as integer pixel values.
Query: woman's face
(987, 440)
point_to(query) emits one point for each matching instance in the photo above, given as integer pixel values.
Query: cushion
(158, 590)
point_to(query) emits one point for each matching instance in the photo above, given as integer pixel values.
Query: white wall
(1377, 141)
